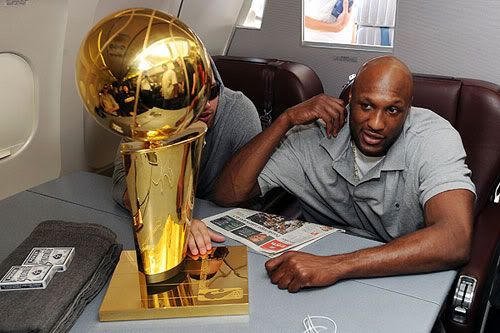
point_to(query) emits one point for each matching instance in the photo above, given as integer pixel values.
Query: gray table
(392, 304)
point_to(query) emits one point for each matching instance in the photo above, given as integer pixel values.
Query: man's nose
(376, 121)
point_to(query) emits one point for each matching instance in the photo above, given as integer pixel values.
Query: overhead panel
(213, 21)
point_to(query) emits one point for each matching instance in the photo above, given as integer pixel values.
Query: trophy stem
(161, 183)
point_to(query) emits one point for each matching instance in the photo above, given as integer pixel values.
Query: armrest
(481, 266)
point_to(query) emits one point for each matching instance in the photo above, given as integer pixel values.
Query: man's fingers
(274, 263)
(201, 240)
(333, 121)
(192, 246)
(336, 124)
(216, 237)
(201, 236)
(333, 110)
(332, 102)
(329, 125)
(294, 285)
(285, 280)
(278, 275)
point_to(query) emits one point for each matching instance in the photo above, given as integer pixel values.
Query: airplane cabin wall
(452, 37)
(213, 23)
(80, 16)
(35, 32)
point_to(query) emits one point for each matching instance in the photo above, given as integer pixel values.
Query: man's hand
(200, 238)
(330, 110)
(296, 270)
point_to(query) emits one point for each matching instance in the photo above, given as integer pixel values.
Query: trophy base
(213, 285)
(164, 276)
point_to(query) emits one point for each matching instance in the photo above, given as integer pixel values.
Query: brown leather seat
(473, 108)
(272, 85)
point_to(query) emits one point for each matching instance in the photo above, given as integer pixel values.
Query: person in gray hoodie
(232, 121)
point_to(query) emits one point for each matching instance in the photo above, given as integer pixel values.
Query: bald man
(395, 174)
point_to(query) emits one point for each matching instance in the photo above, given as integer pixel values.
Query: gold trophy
(146, 76)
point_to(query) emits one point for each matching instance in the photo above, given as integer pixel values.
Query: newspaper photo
(267, 233)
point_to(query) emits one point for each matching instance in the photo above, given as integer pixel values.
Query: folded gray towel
(56, 308)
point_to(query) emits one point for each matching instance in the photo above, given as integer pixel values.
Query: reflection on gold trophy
(146, 76)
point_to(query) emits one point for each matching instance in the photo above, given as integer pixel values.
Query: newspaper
(266, 233)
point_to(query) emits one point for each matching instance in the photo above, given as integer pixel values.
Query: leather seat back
(473, 108)
(272, 85)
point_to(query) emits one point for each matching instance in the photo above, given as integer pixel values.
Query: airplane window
(359, 24)
(253, 11)
(18, 103)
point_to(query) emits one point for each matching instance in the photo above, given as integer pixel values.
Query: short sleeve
(284, 168)
(246, 124)
(442, 165)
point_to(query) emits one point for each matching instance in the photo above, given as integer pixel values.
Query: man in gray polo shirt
(395, 174)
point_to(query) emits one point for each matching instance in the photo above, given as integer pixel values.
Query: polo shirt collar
(338, 146)
(341, 154)
(395, 159)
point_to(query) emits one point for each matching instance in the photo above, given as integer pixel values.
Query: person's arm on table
(443, 244)
(237, 182)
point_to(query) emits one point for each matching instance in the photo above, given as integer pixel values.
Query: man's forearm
(238, 180)
(443, 244)
(426, 250)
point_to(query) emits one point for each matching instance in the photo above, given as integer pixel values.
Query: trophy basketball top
(143, 74)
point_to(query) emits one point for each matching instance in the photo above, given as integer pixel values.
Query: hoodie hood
(216, 73)
(222, 99)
